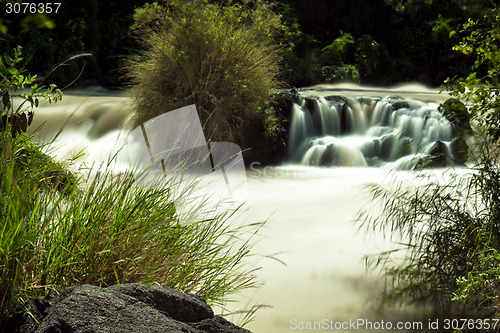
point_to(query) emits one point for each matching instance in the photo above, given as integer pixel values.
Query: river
(310, 250)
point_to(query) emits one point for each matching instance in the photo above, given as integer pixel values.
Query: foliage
(12, 80)
(301, 62)
(458, 115)
(414, 34)
(96, 27)
(334, 60)
(337, 52)
(372, 58)
(442, 228)
(480, 286)
(59, 228)
(340, 73)
(481, 38)
(223, 59)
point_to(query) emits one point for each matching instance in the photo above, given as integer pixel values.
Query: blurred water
(311, 251)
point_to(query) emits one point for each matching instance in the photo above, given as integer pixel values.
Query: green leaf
(8, 60)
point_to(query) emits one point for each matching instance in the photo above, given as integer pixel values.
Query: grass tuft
(448, 240)
(223, 59)
(62, 228)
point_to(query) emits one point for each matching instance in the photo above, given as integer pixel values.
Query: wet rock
(457, 114)
(436, 158)
(459, 150)
(310, 104)
(294, 96)
(365, 100)
(400, 105)
(128, 308)
(337, 99)
(346, 125)
(386, 144)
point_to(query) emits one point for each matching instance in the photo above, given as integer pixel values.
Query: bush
(481, 38)
(372, 59)
(223, 59)
(340, 73)
(60, 227)
(339, 51)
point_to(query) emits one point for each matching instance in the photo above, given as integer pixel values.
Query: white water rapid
(328, 129)
(319, 276)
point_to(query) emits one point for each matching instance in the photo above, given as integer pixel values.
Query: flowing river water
(310, 250)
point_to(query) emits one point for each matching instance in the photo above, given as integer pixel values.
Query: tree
(481, 88)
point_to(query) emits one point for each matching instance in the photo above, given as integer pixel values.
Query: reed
(447, 236)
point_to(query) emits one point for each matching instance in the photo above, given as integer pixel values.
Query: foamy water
(310, 227)
(310, 249)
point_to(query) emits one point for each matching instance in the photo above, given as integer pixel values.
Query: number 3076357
(32, 7)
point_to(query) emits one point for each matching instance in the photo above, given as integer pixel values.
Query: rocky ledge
(127, 308)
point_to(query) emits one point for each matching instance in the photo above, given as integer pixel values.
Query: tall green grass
(448, 239)
(61, 228)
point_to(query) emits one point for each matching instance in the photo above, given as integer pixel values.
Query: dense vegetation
(224, 57)
(369, 41)
(61, 228)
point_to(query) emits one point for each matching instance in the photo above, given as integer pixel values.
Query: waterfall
(348, 131)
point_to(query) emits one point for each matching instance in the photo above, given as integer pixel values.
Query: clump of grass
(102, 229)
(448, 235)
(223, 59)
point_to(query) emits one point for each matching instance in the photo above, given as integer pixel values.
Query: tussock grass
(223, 59)
(61, 228)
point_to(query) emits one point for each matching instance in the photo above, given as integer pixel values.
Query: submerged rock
(336, 98)
(127, 308)
(400, 105)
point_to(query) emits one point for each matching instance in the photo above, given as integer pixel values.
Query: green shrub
(372, 59)
(60, 227)
(339, 51)
(223, 59)
(450, 232)
(340, 73)
(448, 237)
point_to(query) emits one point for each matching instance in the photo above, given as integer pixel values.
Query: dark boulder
(127, 308)
(310, 104)
(337, 99)
(400, 105)
(459, 150)
(437, 157)
(458, 115)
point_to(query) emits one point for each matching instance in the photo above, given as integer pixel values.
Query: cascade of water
(301, 127)
(345, 131)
